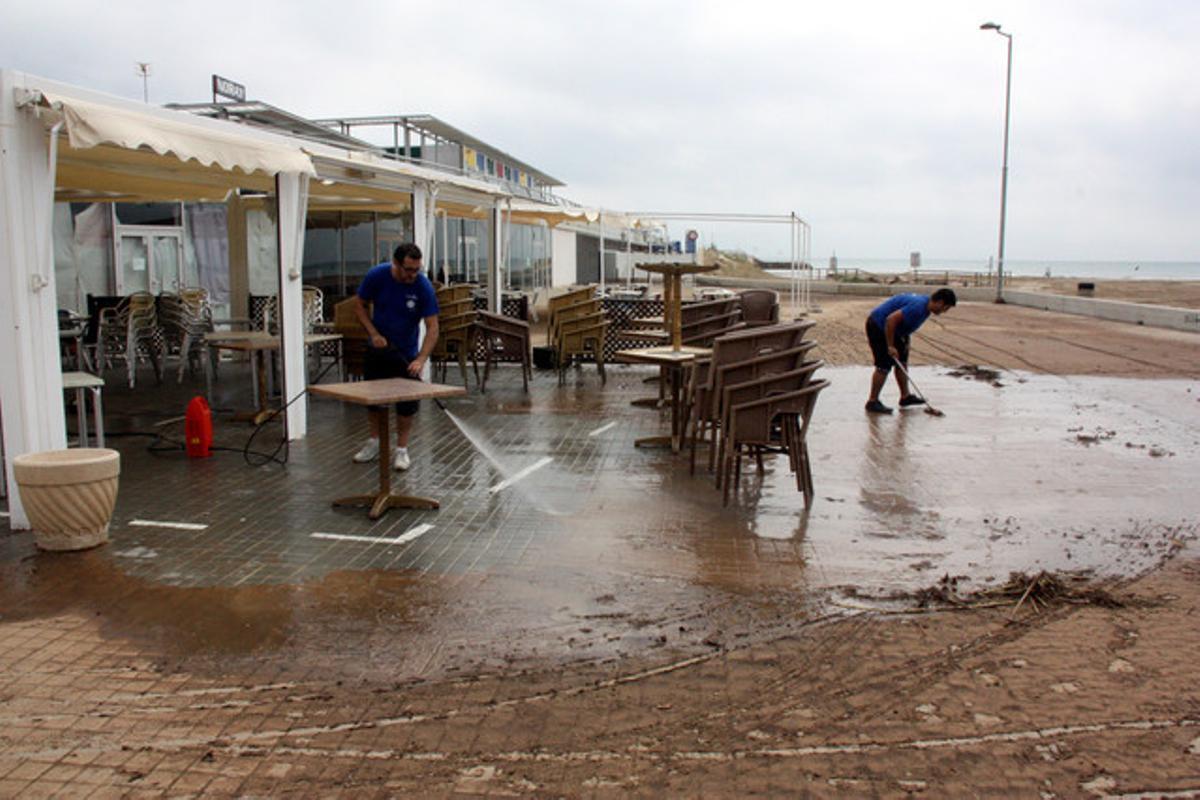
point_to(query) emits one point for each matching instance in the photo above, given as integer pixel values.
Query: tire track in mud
(887, 688)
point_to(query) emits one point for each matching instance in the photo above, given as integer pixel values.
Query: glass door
(135, 264)
(167, 264)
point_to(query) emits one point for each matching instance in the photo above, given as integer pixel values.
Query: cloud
(879, 122)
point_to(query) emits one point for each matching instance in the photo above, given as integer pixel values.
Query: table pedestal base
(254, 417)
(380, 502)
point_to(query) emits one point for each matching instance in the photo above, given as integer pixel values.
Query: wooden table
(257, 344)
(378, 396)
(673, 294)
(674, 361)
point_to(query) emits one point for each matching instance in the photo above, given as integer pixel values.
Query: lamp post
(143, 69)
(993, 26)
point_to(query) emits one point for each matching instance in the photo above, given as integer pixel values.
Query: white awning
(183, 135)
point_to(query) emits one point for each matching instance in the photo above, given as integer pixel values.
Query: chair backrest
(457, 292)
(760, 341)
(345, 320)
(314, 308)
(95, 304)
(704, 332)
(570, 297)
(759, 306)
(501, 323)
(693, 313)
(722, 375)
(735, 391)
(751, 422)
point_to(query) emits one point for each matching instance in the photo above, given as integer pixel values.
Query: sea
(1098, 270)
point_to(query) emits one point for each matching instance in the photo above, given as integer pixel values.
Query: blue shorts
(390, 363)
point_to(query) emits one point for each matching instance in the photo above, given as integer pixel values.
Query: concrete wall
(1182, 319)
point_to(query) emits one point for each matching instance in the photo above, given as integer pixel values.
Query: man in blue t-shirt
(889, 327)
(403, 298)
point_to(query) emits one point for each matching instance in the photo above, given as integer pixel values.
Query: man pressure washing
(889, 327)
(403, 299)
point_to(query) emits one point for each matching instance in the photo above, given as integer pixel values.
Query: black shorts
(879, 348)
(381, 364)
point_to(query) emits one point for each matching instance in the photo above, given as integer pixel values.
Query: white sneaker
(400, 460)
(369, 452)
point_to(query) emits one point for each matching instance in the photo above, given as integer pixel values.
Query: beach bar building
(65, 150)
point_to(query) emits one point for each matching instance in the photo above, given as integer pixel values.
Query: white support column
(291, 193)
(422, 231)
(601, 251)
(423, 209)
(31, 394)
(495, 256)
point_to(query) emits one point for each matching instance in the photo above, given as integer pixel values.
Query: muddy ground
(934, 694)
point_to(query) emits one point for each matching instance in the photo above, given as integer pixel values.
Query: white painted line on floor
(525, 473)
(3, 513)
(407, 536)
(602, 429)
(179, 526)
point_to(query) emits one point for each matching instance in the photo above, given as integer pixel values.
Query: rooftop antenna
(143, 69)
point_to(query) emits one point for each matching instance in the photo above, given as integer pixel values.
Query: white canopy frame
(800, 238)
(117, 150)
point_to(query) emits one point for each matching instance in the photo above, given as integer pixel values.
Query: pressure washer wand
(441, 405)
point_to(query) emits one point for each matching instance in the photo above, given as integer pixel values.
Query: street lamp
(993, 26)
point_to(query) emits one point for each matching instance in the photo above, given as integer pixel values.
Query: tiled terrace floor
(606, 549)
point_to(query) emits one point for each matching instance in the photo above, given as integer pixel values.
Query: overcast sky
(881, 123)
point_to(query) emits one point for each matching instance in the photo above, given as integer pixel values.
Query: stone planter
(69, 495)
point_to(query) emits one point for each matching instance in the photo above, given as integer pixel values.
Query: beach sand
(1180, 294)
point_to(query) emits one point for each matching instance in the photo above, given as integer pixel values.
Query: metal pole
(992, 26)
(1004, 174)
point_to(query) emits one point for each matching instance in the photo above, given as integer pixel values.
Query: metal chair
(129, 331)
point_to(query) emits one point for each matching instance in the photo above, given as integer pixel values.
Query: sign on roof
(223, 87)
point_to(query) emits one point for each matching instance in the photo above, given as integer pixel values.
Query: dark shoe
(912, 400)
(876, 407)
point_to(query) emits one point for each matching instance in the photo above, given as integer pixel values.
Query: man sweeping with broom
(889, 327)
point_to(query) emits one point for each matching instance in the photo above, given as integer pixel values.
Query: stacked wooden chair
(502, 338)
(578, 328)
(456, 330)
(565, 304)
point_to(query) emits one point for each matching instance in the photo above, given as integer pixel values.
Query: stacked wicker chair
(578, 328)
(755, 372)
(456, 330)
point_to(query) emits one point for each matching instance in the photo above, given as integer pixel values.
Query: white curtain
(209, 228)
